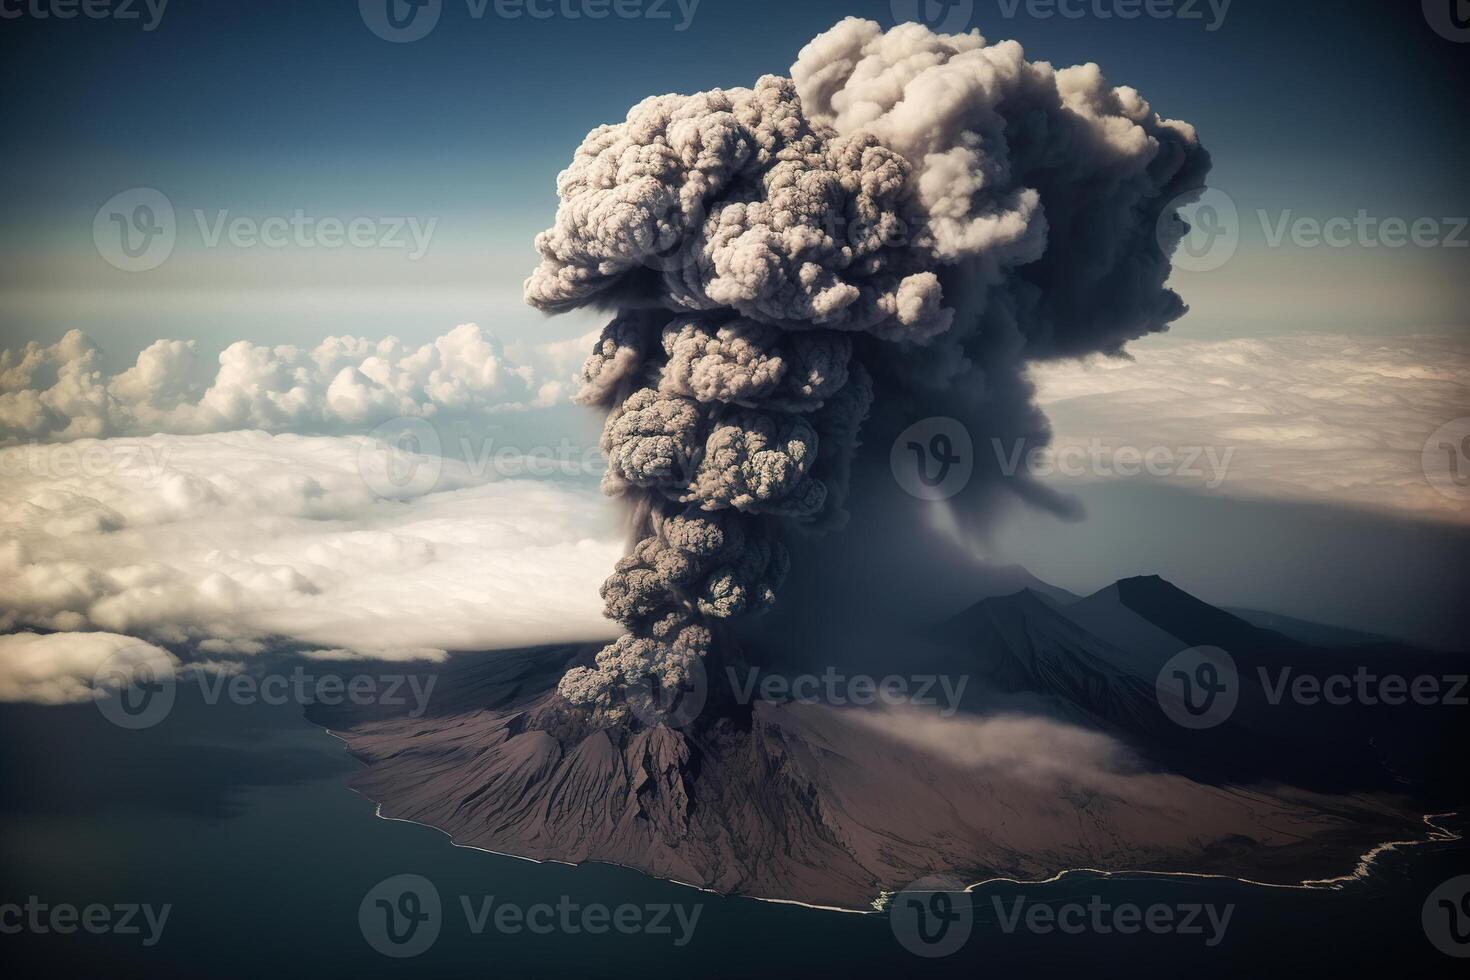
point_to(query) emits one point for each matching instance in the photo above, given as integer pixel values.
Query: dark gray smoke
(896, 228)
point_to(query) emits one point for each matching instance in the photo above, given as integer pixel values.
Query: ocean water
(239, 819)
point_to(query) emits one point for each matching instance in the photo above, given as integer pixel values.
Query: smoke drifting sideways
(899, 226)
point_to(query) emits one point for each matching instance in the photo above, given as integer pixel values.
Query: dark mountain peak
(1193, 620)
(1022, 604)
(1003, 581)
(1029, 595)
(1151, 585)
(1014, 624)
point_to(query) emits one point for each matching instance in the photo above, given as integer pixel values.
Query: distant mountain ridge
(1099, 658)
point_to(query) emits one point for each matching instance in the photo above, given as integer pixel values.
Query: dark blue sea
(239, 819)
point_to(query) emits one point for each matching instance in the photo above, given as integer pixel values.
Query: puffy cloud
(1324, 418)
(758, 461)
(59, 391)
(902, 223)
(742, 362)
(732, 362)
(733, 201)
(1043, 185)
(234, 541)
(63, 668)
(651, 441)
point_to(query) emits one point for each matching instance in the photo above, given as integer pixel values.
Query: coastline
(1436, 834)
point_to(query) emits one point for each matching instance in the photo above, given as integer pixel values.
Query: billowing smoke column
(910, 214)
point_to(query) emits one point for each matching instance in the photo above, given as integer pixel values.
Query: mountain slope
(831, 806)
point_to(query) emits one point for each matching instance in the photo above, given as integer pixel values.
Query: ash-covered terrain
(1059, 757)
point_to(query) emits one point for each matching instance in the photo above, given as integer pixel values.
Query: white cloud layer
(60, 668)
(228, 543)
(1334, 419)
(60, 391)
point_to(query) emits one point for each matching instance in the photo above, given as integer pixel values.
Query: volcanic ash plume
(876, 226)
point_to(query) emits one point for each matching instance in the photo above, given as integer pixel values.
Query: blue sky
(261, 109)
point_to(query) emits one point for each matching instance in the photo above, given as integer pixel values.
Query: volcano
(1058, 757)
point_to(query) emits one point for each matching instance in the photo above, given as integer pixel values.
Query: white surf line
(378, 812)
(1437, 834)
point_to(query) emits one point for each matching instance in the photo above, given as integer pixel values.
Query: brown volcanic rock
(828, 806)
